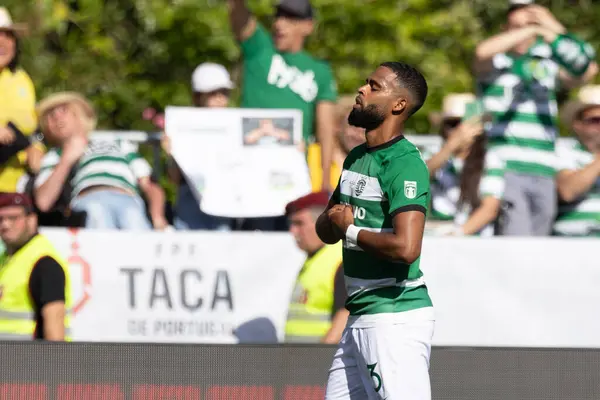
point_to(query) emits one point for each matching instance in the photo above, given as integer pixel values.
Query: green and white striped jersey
(105, 163)
(445, 190)
(379, 183)
(581, 217)
(520, 93)
(492, 184)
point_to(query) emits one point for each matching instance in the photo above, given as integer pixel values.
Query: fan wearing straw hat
(578, 179)
(103, 178)
(17, 110)
(518, 73)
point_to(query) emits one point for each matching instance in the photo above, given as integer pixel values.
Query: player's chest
(360, 183)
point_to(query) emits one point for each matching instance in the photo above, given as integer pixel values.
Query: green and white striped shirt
(445, 190)
(105, 163)
(581, 217)
(380, 182)
(520, 93)
(492, 184)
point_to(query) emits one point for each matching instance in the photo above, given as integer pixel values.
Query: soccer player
(378, 210)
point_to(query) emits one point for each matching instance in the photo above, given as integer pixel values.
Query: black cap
(298, 8)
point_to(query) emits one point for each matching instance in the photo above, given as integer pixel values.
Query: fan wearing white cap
(578, 178)
(280, 74)
(211, 85)
(519, 72)
(17, 106)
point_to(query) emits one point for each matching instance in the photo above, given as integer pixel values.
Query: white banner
(179, 287)
(240, 162)
(235, 287)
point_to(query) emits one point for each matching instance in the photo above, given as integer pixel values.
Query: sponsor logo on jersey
(410, 189)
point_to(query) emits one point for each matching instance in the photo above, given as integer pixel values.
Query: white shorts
(387, 360)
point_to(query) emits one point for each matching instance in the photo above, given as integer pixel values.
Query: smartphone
(474, 110)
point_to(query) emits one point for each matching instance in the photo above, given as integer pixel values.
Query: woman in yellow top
(346, 139)
(17, 106)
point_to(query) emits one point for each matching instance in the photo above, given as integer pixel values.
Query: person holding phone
(459, 126)
(518, 73)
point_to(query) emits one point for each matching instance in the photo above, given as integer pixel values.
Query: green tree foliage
(127, 55)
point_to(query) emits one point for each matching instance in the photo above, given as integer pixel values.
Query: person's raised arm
(503, 42)
(242, 21)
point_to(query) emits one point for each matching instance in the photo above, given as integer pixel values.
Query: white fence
(234, 287)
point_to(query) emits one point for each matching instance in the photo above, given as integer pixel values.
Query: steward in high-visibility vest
(316, 312)
(34, 278)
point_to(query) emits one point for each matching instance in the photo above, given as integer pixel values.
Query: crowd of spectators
(499, 170)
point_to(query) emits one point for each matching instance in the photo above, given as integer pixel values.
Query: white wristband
(352, 235)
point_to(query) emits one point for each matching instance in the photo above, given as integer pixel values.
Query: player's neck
(384, 133)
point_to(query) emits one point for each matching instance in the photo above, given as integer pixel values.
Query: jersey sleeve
(405, 183)
(47, 282)
(49, 162)
(257, 43)
(492, 182)
(327, 85)
(138, 164)
(565, 158)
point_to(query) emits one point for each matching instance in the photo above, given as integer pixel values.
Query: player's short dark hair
(410, 78)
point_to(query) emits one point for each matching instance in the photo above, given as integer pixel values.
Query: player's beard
(369, 117)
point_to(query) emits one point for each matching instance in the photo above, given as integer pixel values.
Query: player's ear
(400, 105)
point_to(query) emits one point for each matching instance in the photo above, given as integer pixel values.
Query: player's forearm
(325, 230)
(389, 246)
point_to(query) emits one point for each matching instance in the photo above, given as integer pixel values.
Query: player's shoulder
(355, 154)
(403, 154)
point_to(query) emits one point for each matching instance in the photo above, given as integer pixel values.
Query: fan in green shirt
(278, 73)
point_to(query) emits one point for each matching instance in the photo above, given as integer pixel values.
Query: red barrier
(22, 392)
(304, 393)
(240, 393)
(90, 392)
(160, 392)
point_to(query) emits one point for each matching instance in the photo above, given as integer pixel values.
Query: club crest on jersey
(410, 189)
(360, 186)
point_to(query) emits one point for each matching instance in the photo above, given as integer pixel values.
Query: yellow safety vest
(309, 314)
(17, 105)
(17, 320)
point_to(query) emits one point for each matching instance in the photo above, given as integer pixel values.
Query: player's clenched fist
(341, 218)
